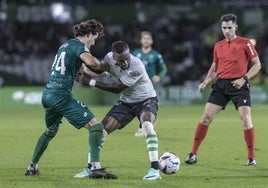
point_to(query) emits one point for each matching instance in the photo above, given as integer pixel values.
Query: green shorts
(59, 105)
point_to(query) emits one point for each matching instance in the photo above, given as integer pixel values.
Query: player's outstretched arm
(93, 74)
(90, 61)
(114, 87)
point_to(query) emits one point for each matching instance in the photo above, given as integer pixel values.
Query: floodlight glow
(60, 12)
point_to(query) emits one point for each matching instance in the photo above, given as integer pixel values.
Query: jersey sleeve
(215, 57)
(162, 66)
(131, 77)
(160, 59)
(79, 49)
(250, 50)
(106, 59)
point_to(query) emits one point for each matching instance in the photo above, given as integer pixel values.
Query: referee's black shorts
(223, 91)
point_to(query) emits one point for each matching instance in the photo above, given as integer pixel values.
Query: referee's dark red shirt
(232, 57)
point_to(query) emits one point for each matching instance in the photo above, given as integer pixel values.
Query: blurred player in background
(153, 61)
(58, 100)
(138, 99)
(230, 69)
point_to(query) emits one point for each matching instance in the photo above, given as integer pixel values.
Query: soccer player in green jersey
(153, 61)
(59, 102)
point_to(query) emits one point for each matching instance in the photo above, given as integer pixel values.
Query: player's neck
(146, 49)
(230, 39)
(81, 39)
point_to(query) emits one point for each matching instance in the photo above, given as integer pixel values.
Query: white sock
(151, 140)
(95, 165)
(88, 158)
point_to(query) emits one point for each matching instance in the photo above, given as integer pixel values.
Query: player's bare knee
(246, 122)
(147, 116)
(110, 124)
(206, 119)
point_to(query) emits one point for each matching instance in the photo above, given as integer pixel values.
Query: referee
(230, 70)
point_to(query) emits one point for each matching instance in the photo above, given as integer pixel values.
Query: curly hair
(89, 26)
(229, 17)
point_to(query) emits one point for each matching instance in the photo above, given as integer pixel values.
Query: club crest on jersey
(133, 74)
(151, 57)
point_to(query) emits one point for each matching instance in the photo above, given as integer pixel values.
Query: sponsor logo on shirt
(133, 74)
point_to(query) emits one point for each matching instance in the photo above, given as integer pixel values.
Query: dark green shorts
(62, 105)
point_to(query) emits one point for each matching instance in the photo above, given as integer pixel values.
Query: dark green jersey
(66, 64)
(153, 61)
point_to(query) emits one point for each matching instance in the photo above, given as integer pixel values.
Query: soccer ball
(169, 163)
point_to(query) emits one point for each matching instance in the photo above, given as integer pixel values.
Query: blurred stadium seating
(184, 32)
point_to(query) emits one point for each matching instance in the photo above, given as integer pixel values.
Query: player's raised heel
(251, 162)
(101, 173)
(152, 174)
(32, 170)
(85, 173)
(191, 159)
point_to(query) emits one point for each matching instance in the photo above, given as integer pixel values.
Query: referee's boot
(32, 170)
(191, 159)
(251, 162)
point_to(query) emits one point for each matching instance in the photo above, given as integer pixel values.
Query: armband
(92, 82)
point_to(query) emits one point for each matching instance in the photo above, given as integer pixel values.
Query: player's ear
(236, 27)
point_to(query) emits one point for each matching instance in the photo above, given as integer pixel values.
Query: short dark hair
(229, 17)
(89, 26)
(119, 46)
(146, 33)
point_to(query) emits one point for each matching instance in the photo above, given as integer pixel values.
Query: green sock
(95, 137)
(41, 145)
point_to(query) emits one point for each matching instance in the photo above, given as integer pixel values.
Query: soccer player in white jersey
(138, 99)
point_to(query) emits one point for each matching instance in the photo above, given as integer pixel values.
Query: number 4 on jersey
(59, 64)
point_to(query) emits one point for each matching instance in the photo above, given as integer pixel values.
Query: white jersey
(140, 87)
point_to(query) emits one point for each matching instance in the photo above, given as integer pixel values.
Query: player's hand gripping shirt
(232, 57)
(135, 77)
(66, 64)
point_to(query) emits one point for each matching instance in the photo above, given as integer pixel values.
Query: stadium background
(184, 33)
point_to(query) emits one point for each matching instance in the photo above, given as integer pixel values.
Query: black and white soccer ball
(169, 163)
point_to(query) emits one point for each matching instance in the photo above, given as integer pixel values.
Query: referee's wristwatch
(245, 78)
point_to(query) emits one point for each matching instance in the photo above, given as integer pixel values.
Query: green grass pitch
(220, 161)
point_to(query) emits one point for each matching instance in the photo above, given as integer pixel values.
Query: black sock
(154, 165)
